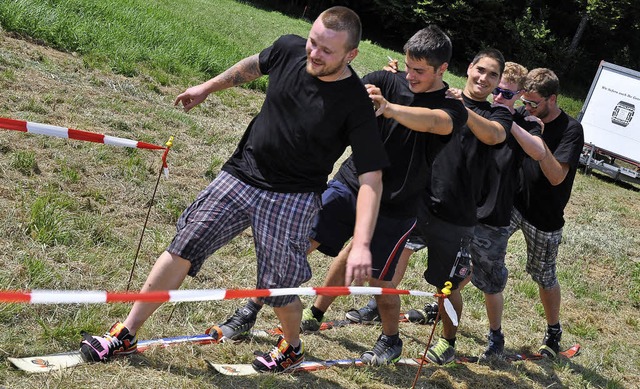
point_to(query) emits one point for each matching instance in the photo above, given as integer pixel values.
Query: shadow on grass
(606, 178)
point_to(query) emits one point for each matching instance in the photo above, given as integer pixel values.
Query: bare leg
(448, 329)
(551, 302)
(167, 273)
(401, 267)
(290, 316)
(388, 307)
(335, 277)
(494, 303)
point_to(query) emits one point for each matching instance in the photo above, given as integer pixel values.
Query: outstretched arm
(367, 205)
(244, 71)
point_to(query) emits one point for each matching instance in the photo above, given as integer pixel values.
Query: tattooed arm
(244, 71)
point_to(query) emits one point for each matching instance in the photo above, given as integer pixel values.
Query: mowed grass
(72, 215)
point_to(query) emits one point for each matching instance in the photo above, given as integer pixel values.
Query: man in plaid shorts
(315, 107)
(539, 207)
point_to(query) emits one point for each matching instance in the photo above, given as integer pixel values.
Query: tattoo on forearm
(244, 71)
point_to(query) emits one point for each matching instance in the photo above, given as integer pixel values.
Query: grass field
(72, 213)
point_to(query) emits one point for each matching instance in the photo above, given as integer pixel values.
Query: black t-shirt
(459, 170)
(304, 126)
(410, 152)
(503, 174)
(539, 202)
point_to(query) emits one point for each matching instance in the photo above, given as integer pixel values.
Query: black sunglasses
(506, 93)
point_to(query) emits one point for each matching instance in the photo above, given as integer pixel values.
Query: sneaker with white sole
(386, 351)
(441, 352)
(365, 315)
(117, 341)
(236, 326)
(281, 358)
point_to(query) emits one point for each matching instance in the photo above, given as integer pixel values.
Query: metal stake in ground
(153, 196)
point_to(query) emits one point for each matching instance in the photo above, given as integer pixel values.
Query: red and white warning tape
(70, 133)
(96, 297)
(93, 297)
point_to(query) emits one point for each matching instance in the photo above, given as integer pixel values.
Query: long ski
(568, 353)
(64, 360)
(245, 369)
(50, 362)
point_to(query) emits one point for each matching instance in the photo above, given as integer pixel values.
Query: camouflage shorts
(488, 250)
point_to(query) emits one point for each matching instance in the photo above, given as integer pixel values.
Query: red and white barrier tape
(97, 297)
(93, 297)
(70, 133)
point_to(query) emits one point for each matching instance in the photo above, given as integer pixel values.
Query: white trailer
(611, 125)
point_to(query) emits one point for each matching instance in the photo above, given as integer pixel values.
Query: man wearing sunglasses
(447, 214)
(460, 185)
(491, 234)
(539, 206)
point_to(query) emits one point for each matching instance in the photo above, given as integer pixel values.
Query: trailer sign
(611, 125)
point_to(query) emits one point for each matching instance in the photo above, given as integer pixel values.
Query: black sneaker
(235, 326)
(551, 343)
(281, 358)
(384, 352)
(495, 347)
(423, 316)
(365, 315)
(116, 341)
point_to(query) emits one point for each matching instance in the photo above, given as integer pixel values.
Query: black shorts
(443, 241)
(335, 222)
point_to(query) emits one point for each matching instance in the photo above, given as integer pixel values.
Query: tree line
(570, 36)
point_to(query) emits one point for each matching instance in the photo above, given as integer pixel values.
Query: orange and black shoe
(117, 341)
(237, 325)
(281, 358)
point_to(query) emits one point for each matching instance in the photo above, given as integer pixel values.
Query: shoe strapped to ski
(423, 316)
(309, 323)
(385, 351)
(281, 358)
(117, 341)
(235, 326)
(364, 315)
(551, 343)
(441, 352)
(496, 345)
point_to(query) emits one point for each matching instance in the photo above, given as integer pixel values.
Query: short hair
(542, 81)
(490, 53)
(340, 18)
(515, 73)
(430, 44)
